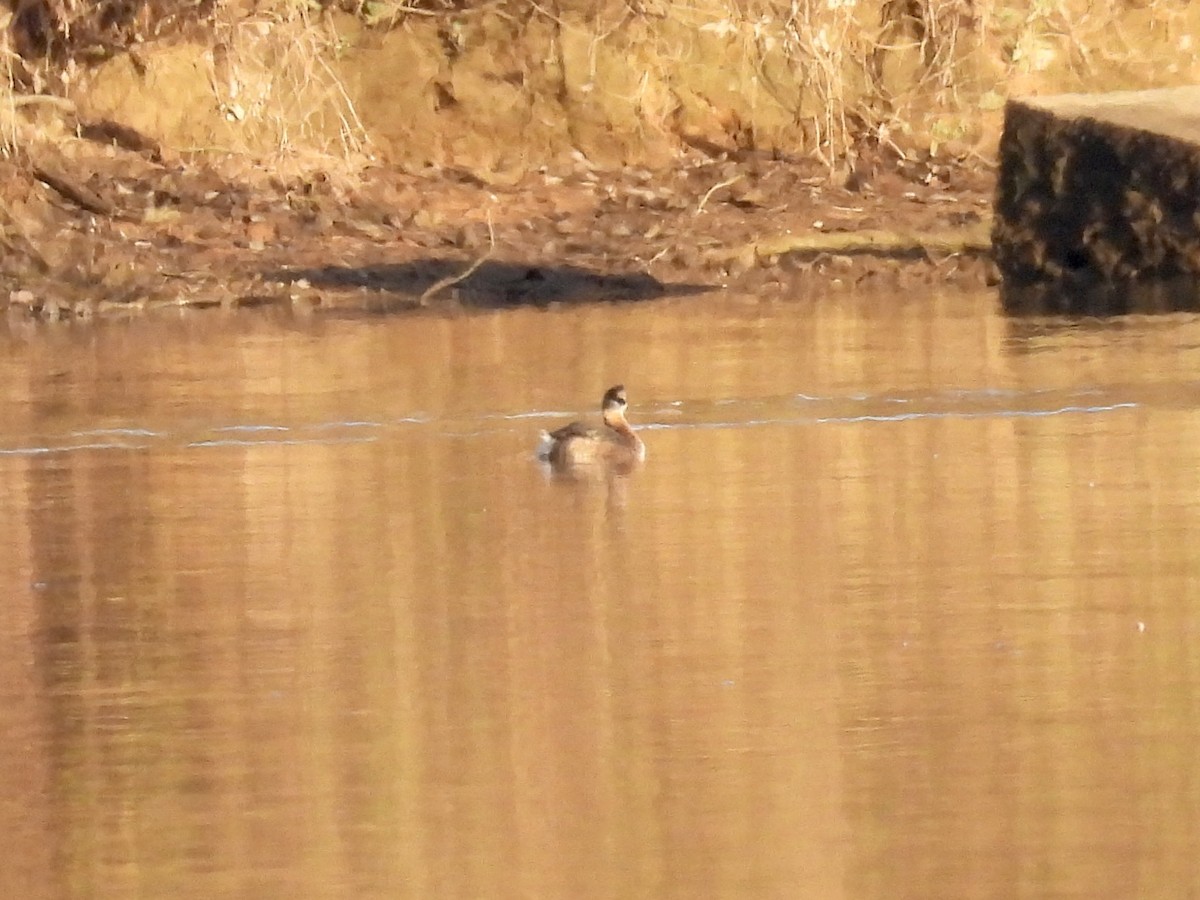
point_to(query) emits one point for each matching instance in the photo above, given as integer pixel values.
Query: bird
(578, 444)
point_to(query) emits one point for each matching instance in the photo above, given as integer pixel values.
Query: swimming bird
(579, 444)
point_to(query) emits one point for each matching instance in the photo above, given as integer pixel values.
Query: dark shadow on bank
(1101, 299)
(382, 289)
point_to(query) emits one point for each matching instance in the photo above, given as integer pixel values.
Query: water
(903, 604)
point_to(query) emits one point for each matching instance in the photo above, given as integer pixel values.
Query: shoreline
(117, 231)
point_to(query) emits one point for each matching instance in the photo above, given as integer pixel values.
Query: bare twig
(62, 103)
(712, 190)
(82, 196)
(451, 280)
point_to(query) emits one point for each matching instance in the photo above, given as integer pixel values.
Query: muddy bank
(390, 156)
(95, 229)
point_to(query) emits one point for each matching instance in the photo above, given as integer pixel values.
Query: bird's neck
(625, 432)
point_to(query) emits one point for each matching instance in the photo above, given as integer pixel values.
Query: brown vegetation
(725, 134)
(832, 78)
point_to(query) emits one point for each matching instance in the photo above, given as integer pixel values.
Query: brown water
(905, 603)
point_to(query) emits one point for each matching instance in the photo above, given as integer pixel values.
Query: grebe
(578, 444)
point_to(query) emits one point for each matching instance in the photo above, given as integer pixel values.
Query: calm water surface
(905, 603)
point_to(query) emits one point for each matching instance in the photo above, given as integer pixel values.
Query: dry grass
(829, 78)
(8, 107)
(272, 73)
(90, 29)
